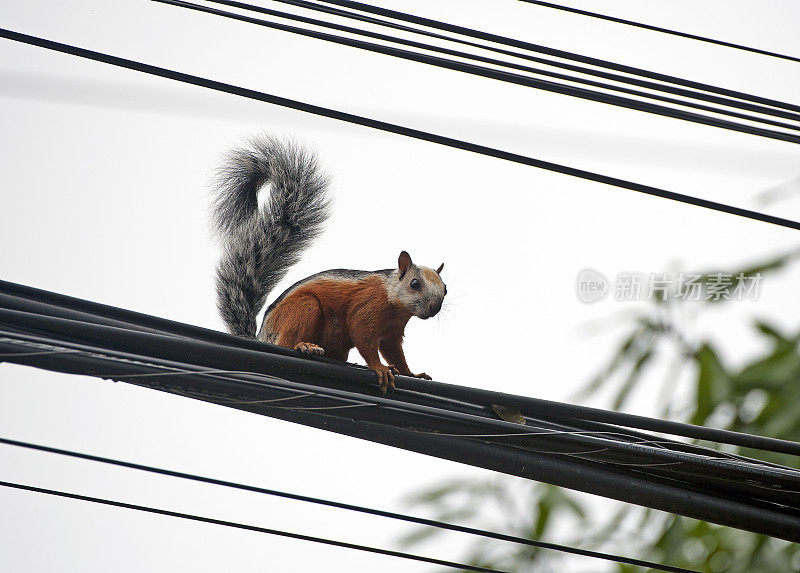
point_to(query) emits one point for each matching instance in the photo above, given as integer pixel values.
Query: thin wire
(393, 128)
(301, 537)
(590, 71)
(639, 465)
(659, 29)
(659, 444)
(172, 372)
(523, 434)
(513, 78)
(40, 353)
(48, 348)
(721, 456)
(312, 408)
(232, 401)
(339, 505)
(554, 52)
(466, 55)
(546, 432)
(586, 433)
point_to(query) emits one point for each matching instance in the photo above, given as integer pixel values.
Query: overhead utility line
(254, 528)
(606, 446)
(625, 79)
(709, 495)
(528, 81)
(28, 299)
(350, 507)
(662, 30)
(393, 128)
(589, 456)
(553, 52)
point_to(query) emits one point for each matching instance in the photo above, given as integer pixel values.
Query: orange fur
(339, 315)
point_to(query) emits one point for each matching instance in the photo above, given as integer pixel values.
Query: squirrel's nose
(435, 308)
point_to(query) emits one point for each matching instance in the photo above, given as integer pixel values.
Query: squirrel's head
(419, 289)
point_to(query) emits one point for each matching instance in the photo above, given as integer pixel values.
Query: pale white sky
(105, 185)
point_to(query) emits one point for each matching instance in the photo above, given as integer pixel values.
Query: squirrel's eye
(415, 284)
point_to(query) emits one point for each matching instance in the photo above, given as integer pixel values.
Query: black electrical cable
(659, 29)
(716, 505)
(350, 507)
(257, 529)
(739, 474)
(392, 128)
(514, 78)
(135, 321)
(496, 62)
(32, 300)
(668, 88)
(29, 299)
(729, 510)
(557, 53)
(538, 406)
(484, 425)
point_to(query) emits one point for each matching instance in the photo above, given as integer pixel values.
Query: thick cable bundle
(580, 448)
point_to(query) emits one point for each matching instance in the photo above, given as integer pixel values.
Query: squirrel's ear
(439, 270)
(403, 263)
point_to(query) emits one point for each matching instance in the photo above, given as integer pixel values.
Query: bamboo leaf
(712, 384)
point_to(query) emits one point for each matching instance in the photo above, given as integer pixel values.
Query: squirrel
(329, 312)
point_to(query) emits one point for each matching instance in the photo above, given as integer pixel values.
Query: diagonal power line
(350, 507)
(659, 29)
(690, 94)
(393, 128)
(699, 482)
(639, 451)
(675, 477)
(254, 528)
(405, 17)
(32, 300)
(780, 111)
(519, 79)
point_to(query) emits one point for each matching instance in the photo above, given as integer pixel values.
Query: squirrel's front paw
(423, 376)
(385, 377)
(310, 348)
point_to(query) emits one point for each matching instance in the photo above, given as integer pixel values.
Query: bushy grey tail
(261, 244)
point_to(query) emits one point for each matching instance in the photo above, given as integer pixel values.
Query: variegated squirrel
(329, 312)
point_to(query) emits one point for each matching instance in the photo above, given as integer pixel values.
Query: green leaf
(620, 356)
(786, 419)
(633, 377)
(773, 333)
(780, 368)
(712, 384)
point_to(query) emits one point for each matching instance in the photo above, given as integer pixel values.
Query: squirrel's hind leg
(298, 322)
